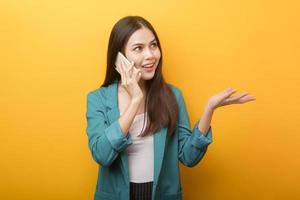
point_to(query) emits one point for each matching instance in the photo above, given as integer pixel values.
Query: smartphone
(120, 58)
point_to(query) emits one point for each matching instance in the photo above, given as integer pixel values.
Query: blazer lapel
(159, 151)
(159, 138)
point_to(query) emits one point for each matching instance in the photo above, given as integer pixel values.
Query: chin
(147, 76)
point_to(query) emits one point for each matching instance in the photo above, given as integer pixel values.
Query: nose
(148, 54)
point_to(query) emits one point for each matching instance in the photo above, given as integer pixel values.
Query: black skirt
(141, 191)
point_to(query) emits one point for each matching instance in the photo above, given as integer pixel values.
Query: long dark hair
(160, 102)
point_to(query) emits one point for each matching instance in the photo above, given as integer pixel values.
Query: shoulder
(95, 93)
(176, 91)
(174, 88)
(99, 94)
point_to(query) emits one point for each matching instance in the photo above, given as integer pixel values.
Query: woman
(137, 124)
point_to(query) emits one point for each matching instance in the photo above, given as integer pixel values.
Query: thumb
(130, 68)
(131, 65)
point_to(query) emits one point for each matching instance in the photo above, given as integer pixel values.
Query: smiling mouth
(148, 65)
(148, 69)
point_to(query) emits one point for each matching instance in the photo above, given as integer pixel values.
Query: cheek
(136, 59)
(157, 55)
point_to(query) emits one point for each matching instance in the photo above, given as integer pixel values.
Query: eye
(138, 48)
(154, 45)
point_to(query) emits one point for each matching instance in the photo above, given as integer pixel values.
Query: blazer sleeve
(105, 141)
(192, 144)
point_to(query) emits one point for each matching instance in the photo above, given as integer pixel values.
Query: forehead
(142, 35)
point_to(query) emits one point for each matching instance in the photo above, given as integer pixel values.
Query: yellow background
(53, 53)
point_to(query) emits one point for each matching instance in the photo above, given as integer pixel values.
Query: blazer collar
(159, 138)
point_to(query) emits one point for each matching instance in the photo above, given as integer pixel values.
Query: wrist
(136, 100)
(209, 107)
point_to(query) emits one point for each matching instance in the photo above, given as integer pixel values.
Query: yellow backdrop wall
(53, 53)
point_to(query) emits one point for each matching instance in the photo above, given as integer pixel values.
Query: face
(143, 50)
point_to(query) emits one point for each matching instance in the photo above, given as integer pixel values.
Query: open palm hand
(224, 98)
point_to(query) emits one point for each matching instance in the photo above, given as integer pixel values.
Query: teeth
(148, 66)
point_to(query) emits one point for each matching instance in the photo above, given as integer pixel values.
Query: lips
(149, 65)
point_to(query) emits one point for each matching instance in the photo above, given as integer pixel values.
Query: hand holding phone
(130, 76)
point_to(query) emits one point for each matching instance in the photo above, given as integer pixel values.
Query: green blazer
(108, 147)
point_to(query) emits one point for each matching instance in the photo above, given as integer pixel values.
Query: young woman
(137, 124)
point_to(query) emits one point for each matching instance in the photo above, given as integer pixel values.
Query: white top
(140, 152)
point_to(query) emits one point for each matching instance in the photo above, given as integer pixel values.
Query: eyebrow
(135, 44)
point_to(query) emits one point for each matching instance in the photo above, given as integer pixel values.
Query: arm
(106, 141)
(221, 99)
(127, 118)
(204, 124)
(192, 144)
(201, 135)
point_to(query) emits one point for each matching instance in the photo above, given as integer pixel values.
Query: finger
(238, 97)
(229, 89)
(242, 99)
(247, 98)
(138, 75)
(131, 67)
(252, 98)
(227, 93)
(134, 72)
